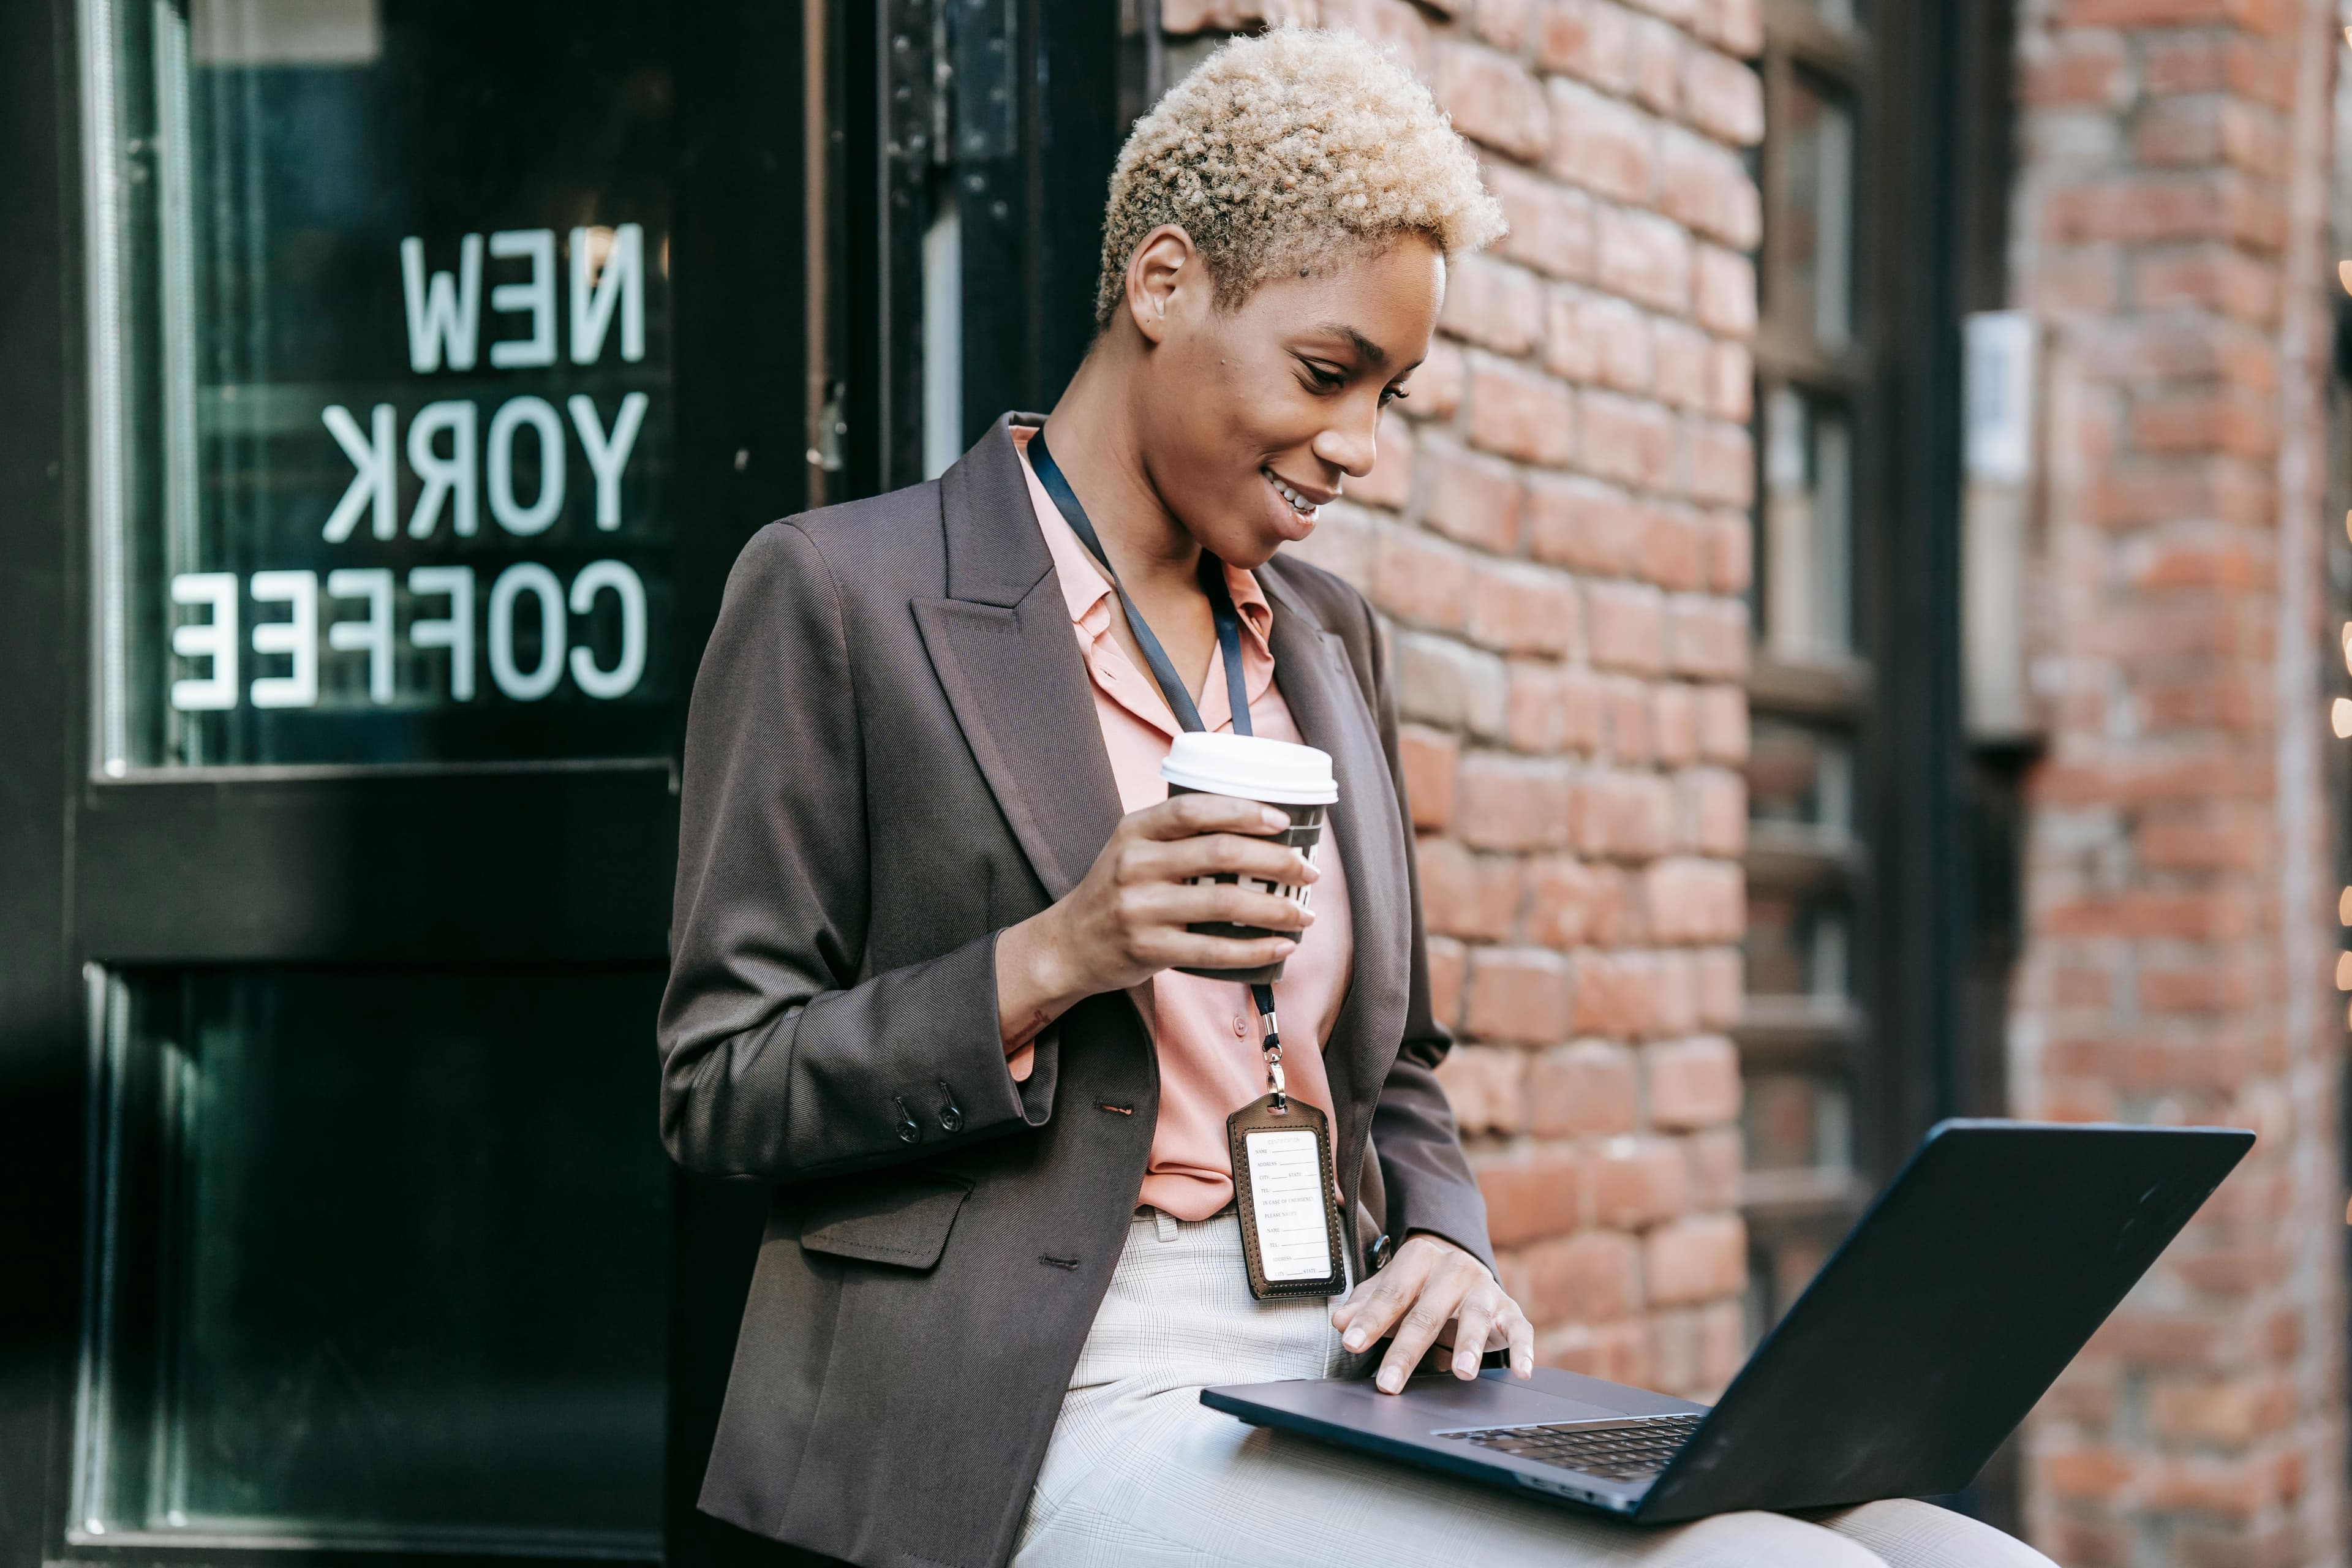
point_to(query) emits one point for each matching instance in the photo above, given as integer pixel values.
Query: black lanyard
(1171, 685)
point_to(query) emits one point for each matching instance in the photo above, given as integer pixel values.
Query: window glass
(1800, 774)
(1795, 1121)
(1795, 946)
(1816, 211)
(1807, 524)
(380, 1258)
(382, 310)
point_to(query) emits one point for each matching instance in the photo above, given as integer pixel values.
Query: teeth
(1298, 503)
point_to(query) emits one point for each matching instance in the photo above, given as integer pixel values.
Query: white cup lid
(1251, 767)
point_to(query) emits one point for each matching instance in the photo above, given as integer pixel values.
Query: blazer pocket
(902, 1221)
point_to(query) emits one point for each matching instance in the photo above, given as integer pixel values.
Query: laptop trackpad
(1442, 1403)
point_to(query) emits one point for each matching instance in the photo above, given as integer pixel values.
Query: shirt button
(1241, 1027)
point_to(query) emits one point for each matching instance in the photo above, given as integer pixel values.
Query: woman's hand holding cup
(1127, 921)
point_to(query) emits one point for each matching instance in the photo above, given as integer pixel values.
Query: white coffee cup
(1281, 774)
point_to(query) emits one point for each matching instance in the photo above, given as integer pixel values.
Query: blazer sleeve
(1427, 1177)
(780, 1056)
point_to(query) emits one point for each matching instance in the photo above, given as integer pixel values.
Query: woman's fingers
(1180, 904)
(1213, 854)
(1186, 815)
(1472, 1327)
(1522, 1342)
(1433, 1305)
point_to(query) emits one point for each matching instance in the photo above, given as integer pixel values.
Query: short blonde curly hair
(1280, 146)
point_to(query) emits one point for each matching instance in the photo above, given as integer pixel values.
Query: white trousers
(1140, 1473)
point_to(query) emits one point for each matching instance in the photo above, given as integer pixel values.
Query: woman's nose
(1351, 446)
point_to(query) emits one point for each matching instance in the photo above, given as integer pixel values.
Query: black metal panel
(490, 867)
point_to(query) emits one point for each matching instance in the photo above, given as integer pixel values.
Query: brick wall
(1557, 532)
(2170, 227)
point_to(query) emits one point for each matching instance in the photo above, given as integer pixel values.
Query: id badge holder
(1285, 1189)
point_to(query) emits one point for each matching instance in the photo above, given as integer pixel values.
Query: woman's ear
(1164, 262)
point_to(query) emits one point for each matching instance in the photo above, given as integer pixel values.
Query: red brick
(2139, 209)
(1418, 579)
(1703, 185)
(1723, 723)
(1493, 304)
(1394, 23)
(1513, 803)
(1471, 499)
(1730, 383)
(2262, 15)
(2076, 70)
(1648, 258)
(1390, 484)
(1486, 1087)
(1518, 996)
(1571, 903)
(1694, 1258)
(1602, 144)
(1626, 627)
(1583, 1089)
(1717, 1164)
(1502, 22)
(1707, 638)
(1638, 1181)
(2210, 62)
(1725, 299)
(1468, 895)
(1522, 609)
(1553, 709)
(1594, 338)
(1719, 464)
(1449, 967)
(1613, 995)
(1429, 757)
(2208, 277)
(1521, 414)
(1589, 39)
(1693, 901)
(1685, 366)
(1551, 228)
(1443, 682)
(1530, 1198)
(1712, 808)
(1659, 52)
(1623, 814)
(2229, 1412)
(1618, 1352)
(1492, 99)
(1674, 723)
(2190, 132)
(1691, 1083)
(1722, 986)
(2094, 1474)
(1585, 524)
(1434, 391)
(1724, 98)
(1592, 1276)
(1629, 441)
(1730, 552)
(1738, 26)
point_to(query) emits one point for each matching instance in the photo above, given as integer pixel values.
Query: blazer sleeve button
(909, 1129)
(951, 1113)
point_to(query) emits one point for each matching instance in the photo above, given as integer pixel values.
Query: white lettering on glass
(622, 678)
(535, 296)
(539, 514)
(454, 631)
(526, 577)
(449, 478)
(298, 639)
(371, 636)
(374, 487)
(444, 313)
(617, 258)
(215, 640)
(608, 455)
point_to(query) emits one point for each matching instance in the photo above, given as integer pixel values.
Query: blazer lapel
(1311, 667)
(1001, 646)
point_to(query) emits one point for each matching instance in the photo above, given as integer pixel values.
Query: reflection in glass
(1816, 211)
(1808, 522)
(378, 1258)
(1799, 775)
(382, 311)
(1795, 946)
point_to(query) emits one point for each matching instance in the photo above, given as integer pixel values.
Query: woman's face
(1254, 416)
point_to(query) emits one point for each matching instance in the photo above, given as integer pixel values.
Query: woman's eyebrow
(1367, 350)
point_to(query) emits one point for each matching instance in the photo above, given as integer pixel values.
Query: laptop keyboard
(1631, 1450)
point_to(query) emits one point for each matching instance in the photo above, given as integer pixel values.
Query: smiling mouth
(1298, 503)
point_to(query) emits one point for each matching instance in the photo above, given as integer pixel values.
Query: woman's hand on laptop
(1435, 1293)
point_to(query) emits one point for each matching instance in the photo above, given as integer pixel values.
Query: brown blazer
(893, 755)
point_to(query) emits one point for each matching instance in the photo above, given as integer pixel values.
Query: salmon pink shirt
(1211, 1064)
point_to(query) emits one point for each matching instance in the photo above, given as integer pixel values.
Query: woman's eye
(1325, 380)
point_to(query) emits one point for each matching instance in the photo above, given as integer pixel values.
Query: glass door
(440, 357)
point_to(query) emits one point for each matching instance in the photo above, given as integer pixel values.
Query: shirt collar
(1084, 587)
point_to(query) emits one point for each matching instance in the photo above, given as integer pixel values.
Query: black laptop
(1948, 1310)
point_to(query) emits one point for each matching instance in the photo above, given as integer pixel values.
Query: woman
(932, 898)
